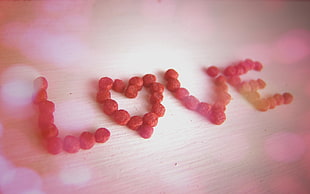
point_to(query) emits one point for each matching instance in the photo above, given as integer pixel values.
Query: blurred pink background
(74, 43)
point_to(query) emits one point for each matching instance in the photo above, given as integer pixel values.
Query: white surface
(80, 43)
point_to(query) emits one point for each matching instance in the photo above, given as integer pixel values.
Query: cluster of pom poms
(49, 130)
(215, 112)
(144, 124)
(249, 89)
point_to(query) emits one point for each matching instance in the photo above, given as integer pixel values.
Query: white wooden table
(73, 44)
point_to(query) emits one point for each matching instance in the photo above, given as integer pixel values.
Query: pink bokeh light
(17, 93)
(38, 44)
(75, 176)
(18, 72)
(287, 184)
(284, 147)
(5, 166)
(17, 87)
(292, 47)
(20, 180)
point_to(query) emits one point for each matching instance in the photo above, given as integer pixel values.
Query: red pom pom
(109, 106)
(148, 79)
(145, 131)
(135, 122)
(46, 106)
(230, 71)
(157, 87)
(131, 91)
(156, 97)
(118, 85)
(234, 80)
(137, 81)
(40, 83)
(150, 119)
(261, 83)
(40, 96)
(158, 109)
(87, 140)
(262, 105)
(217, 116)
(121, 117)
(173, 84)
(258, 66)
(54, 145)
(105, 83)
(49, 130)
(213, 71)
(279, 99)
(181, 93)
(203, 108)
(71, 144)
(190, 102)
(102, 135)
(103, 95)
(288, 98)
(45, 119)
(171, 73)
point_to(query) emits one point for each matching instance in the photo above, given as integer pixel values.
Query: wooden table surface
(74, 43)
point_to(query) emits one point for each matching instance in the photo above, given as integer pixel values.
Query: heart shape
(145, 124)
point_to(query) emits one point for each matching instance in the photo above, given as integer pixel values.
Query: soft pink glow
(38, 44)
(19, 180)
(59, 49)
(158, 10)
(5, 166)
(16, 90)
(74, 15)
(287, 184)
(16, 93)
(75, 176)
(73, 24)
(17, 86)
(75, 116)
(292, 47)
(285, 147)
(20, 72)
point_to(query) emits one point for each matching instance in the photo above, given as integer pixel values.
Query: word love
(144, 124)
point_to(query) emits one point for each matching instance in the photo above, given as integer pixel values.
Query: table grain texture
(75, 43)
